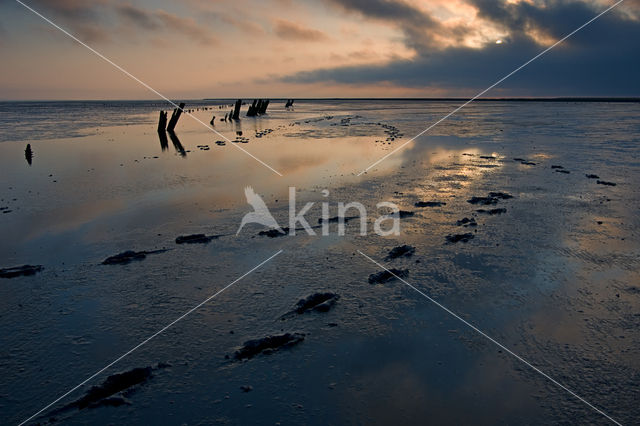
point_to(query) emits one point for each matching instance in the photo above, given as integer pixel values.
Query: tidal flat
(524, 222)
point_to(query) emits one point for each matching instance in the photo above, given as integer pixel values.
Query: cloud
(96, 20)
(601, 60)
(160, 20)
(72, 9)
(421, 30)
(244, 25)
(291, 31)
(81, 17)
(138, 16)
(186, 26)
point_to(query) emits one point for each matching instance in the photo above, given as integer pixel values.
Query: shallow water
(545, 278)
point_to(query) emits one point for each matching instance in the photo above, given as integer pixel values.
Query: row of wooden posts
(175, 116)
(258, 107)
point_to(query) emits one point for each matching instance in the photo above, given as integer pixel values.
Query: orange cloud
(291, 31)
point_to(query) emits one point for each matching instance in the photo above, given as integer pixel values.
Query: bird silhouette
(261, 213)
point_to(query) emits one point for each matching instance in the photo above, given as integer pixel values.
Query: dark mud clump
(557, 167)
(320, 302)
(115, 384)
(465, 221)
(274, 233)
(195, 239)
(591, 176)
(430, 204)
(386, 276)
(18, 271)
(129, 256)
(604, 182)
(483, 200)
(404, 250)
(465, 238)
(268, 344)
(492, 211)
(500, 195)
(566, 172)
(524, 161)
(487, 157)
(403, 213)
(492, 198)
(337, 219)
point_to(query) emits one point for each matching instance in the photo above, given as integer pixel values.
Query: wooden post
(263, 106)
(251, 112)
(236, 111)
(28, 154)
(162, 122)
(175, 117)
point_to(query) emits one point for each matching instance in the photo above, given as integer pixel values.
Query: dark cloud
(137, 16)
(186, 26)
(82, 18)
(388, 10)
(551, 18)
(291, 31)
(96, 20)
(161, 21)
(71, 9)
(601, 60)
(419, 27)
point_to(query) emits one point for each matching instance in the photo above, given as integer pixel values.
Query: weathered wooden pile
(175, 116)
(258, 107)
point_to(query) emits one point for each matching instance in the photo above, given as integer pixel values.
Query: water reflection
(164, 142)
(176, 144)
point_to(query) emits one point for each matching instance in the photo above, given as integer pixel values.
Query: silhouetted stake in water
(258, 107)
(175, 117)
(252, 112)
(263, 107)
(212, 120)
(289, 103)
(236, 110)
(28, 154)
(162, 134)
(162, 122)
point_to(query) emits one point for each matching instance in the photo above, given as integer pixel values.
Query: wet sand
(554, 277)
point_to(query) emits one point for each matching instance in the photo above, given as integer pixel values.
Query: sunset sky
(321, 48)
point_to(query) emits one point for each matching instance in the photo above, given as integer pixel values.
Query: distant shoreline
(552, 99)
(520, 99)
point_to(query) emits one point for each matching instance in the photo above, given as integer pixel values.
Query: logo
(388, 223)
(260, 213)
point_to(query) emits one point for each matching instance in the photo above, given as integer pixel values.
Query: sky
(195, 49)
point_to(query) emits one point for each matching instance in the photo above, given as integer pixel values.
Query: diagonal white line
(133, 77)
(181, 317)
(483, 334)
(490, 87)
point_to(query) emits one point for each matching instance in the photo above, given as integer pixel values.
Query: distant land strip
(558, 99)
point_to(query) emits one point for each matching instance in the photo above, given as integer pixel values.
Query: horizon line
(395, 98)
